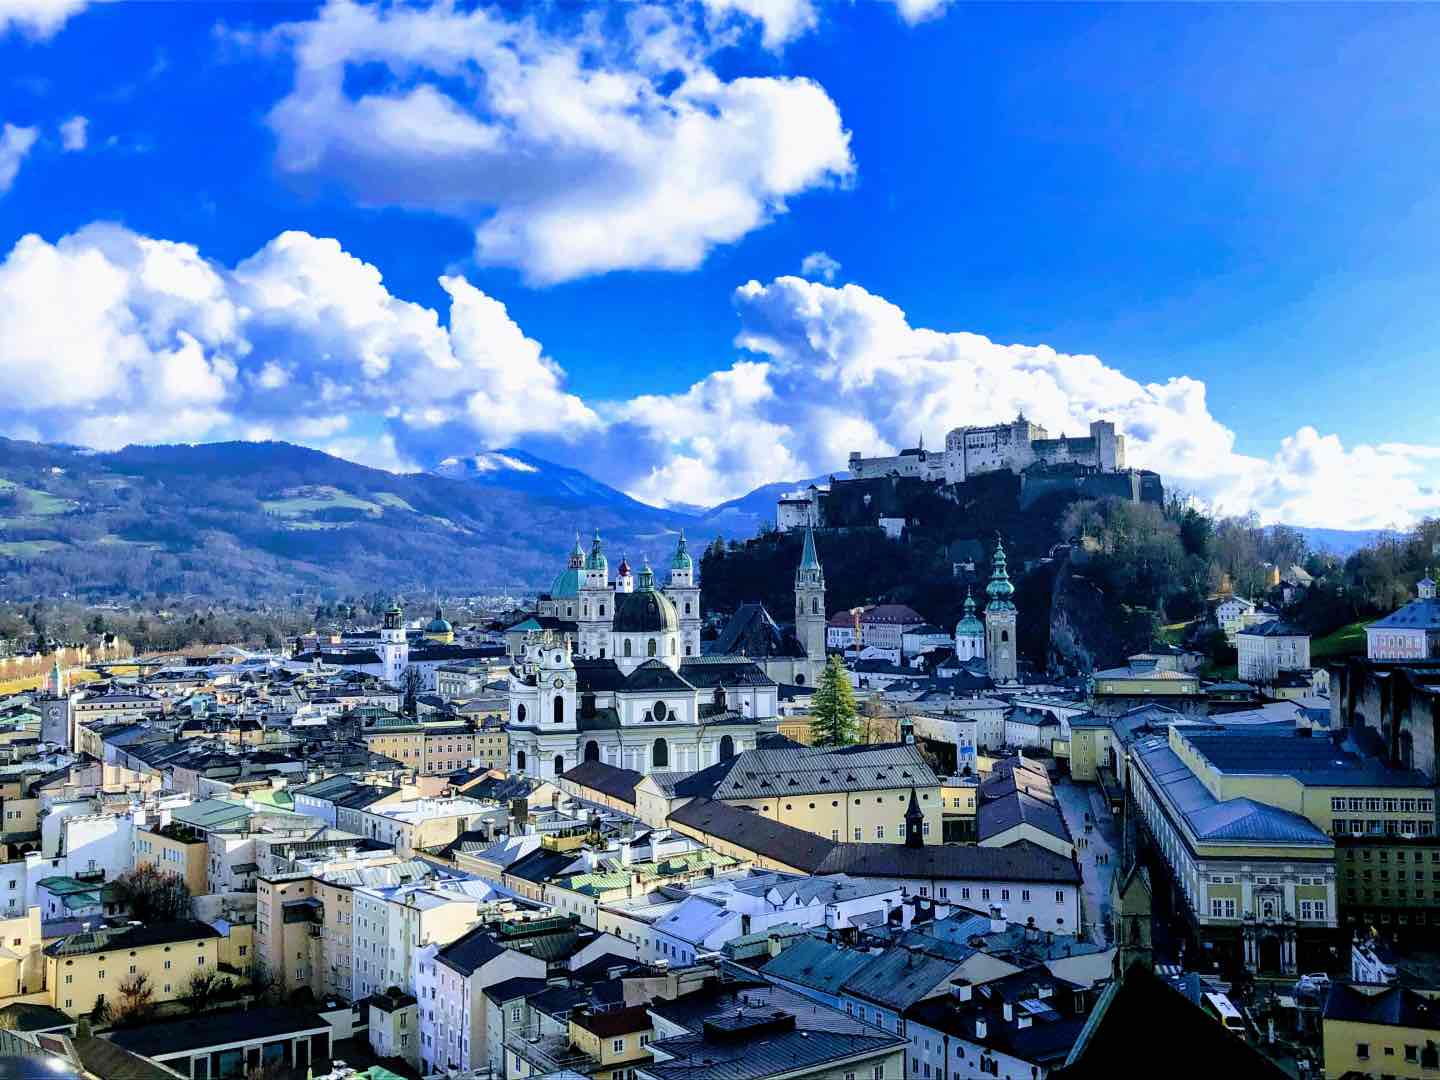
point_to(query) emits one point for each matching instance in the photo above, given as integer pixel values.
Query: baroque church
(993, 640)
(629, 686)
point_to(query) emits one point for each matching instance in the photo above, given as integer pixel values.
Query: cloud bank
(572, 151)
(120, 337)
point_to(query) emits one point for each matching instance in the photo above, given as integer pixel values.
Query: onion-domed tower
(685, 595)
(1000, 621)
(596, 601)
(969, 633)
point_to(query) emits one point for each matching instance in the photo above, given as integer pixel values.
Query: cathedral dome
(439, 629)
(566, 584)
(644, 612)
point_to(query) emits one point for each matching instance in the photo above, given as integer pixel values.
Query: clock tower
(555, 678)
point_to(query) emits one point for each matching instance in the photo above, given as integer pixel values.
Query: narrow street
(1103, 841)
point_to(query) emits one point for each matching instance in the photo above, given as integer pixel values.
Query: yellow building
(850, 794)
(176, 848)
(81, 968)
(1256, 880)
(1381, 1031)
(398, 738)
(22, 964)
(615, 1041)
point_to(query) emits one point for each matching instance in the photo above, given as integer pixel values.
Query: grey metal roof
(816, 964)
(898, 978)
(1416, 615)
(812, 770)
(1312, 760)
(1212, 820)
(715, 1049)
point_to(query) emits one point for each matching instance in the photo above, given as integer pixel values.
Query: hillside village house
(1268, 648)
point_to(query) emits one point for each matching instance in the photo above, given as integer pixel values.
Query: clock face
(559, 684)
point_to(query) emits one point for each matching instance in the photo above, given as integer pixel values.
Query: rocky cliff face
(1088, 631)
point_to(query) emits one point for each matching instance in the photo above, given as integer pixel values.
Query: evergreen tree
(833, 708)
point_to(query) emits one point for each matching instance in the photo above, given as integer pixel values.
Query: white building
(799, 509)
(970, 451)
(1268, 648)
(1412, 632)
(392, 923)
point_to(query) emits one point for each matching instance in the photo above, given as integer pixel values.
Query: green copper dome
(567, 582)
(681, 561)
(969, 625)
(597, 556)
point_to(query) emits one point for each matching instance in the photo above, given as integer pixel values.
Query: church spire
(809, 572)
(914, 823)
(1000, 589)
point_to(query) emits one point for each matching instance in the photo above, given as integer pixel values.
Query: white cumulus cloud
(118, 337)
(38, 19)
(15, 144)
(74, 133)
(819, 265)
(571, 151)
(781, 21)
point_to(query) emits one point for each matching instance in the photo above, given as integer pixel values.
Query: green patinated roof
(1000, 589)
(681, 561)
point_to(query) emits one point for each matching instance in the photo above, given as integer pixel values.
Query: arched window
(520, 761)
(559, 764)
(559, 710)
(520, 718)
(814, 605)
(1004, 635)
(627, 646)
(672, 646)
(727, 748)
(659, 754)
(650, 647)
(658, 710)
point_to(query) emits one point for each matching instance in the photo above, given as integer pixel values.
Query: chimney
(997, 919)
(963, 990)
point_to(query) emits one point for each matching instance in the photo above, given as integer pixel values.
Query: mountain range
(247, 519)
(244, 519)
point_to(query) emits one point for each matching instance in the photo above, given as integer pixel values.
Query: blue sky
(1232, 208)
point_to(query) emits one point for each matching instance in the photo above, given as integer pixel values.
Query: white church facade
(630, 687)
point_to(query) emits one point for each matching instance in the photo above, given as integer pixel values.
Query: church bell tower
(1000, 621)
(810, 615)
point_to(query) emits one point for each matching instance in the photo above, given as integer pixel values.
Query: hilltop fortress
(1015, 446)
(1088, 466)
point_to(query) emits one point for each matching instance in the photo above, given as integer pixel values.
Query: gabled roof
(612, 781)
(752, 632)
(653, 676)
(812, 770)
